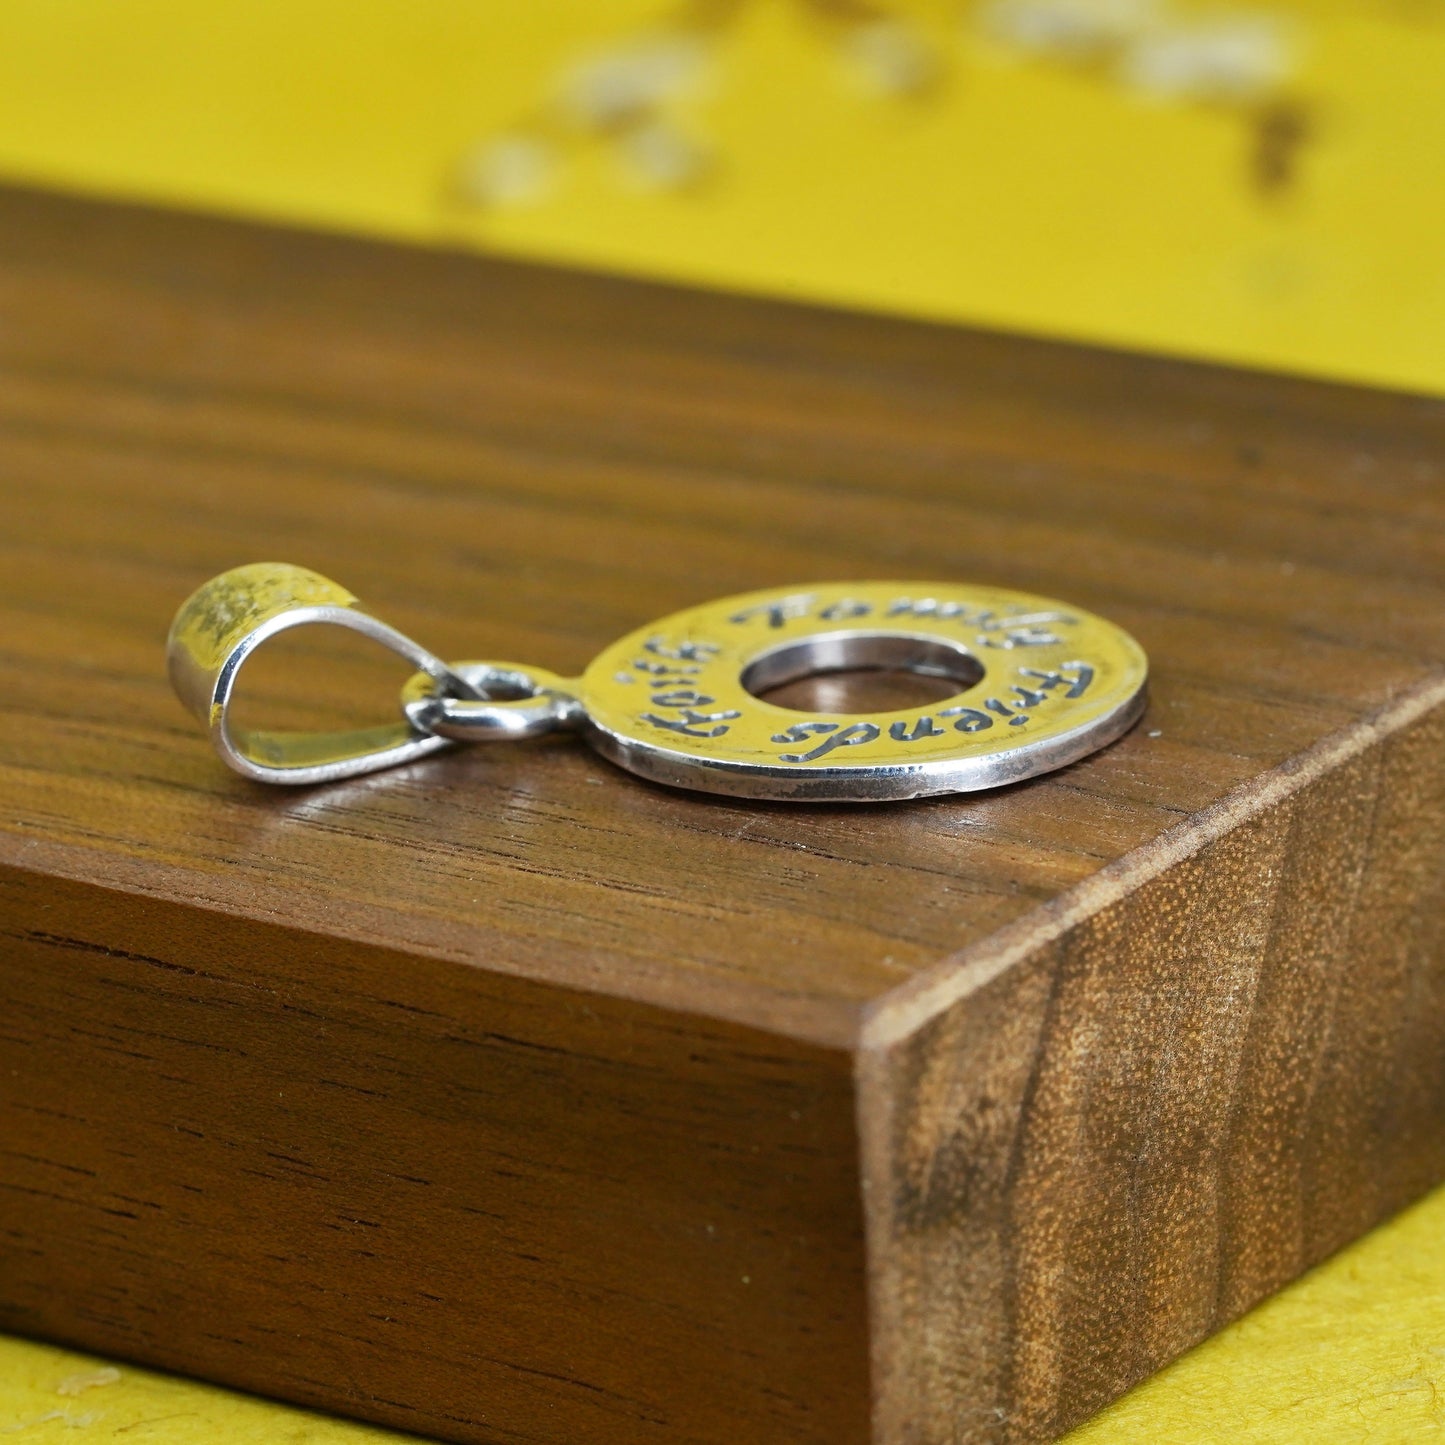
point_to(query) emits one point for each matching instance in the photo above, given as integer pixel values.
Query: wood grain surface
(507, 1097)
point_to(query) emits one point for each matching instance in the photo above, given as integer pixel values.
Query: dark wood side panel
(418, 1192)
(1167, 1113)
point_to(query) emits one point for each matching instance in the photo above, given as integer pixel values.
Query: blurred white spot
(1073, 29)
(1232, 58)
(508, 171)
(619, 86)
(88, 1380)
(891, 57)
(661, 157)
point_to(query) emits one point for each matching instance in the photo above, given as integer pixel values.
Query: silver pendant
(1040, 684)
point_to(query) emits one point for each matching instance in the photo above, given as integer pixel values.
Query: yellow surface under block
(1263, 185)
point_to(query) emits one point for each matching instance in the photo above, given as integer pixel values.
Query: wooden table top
(521, 463)
(524, 463)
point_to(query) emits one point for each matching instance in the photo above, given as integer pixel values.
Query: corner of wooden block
(1098, 1137)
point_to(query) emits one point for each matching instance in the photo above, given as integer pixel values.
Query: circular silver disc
(1040, 684)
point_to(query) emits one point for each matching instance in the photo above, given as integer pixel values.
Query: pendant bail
(221, 624)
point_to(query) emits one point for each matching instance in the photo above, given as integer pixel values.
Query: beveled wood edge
(901, 1012)
(826, 1024)
(873, 1028)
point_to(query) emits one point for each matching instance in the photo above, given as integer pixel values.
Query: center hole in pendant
(853, 672)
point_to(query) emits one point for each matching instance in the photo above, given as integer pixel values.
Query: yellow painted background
(1022, 194)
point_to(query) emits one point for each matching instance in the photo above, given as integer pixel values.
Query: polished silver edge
(861, 783)
(410, 744)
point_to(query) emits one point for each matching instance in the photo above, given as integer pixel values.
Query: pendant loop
(225, 621)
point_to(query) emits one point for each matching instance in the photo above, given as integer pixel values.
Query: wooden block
(507, 1097)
